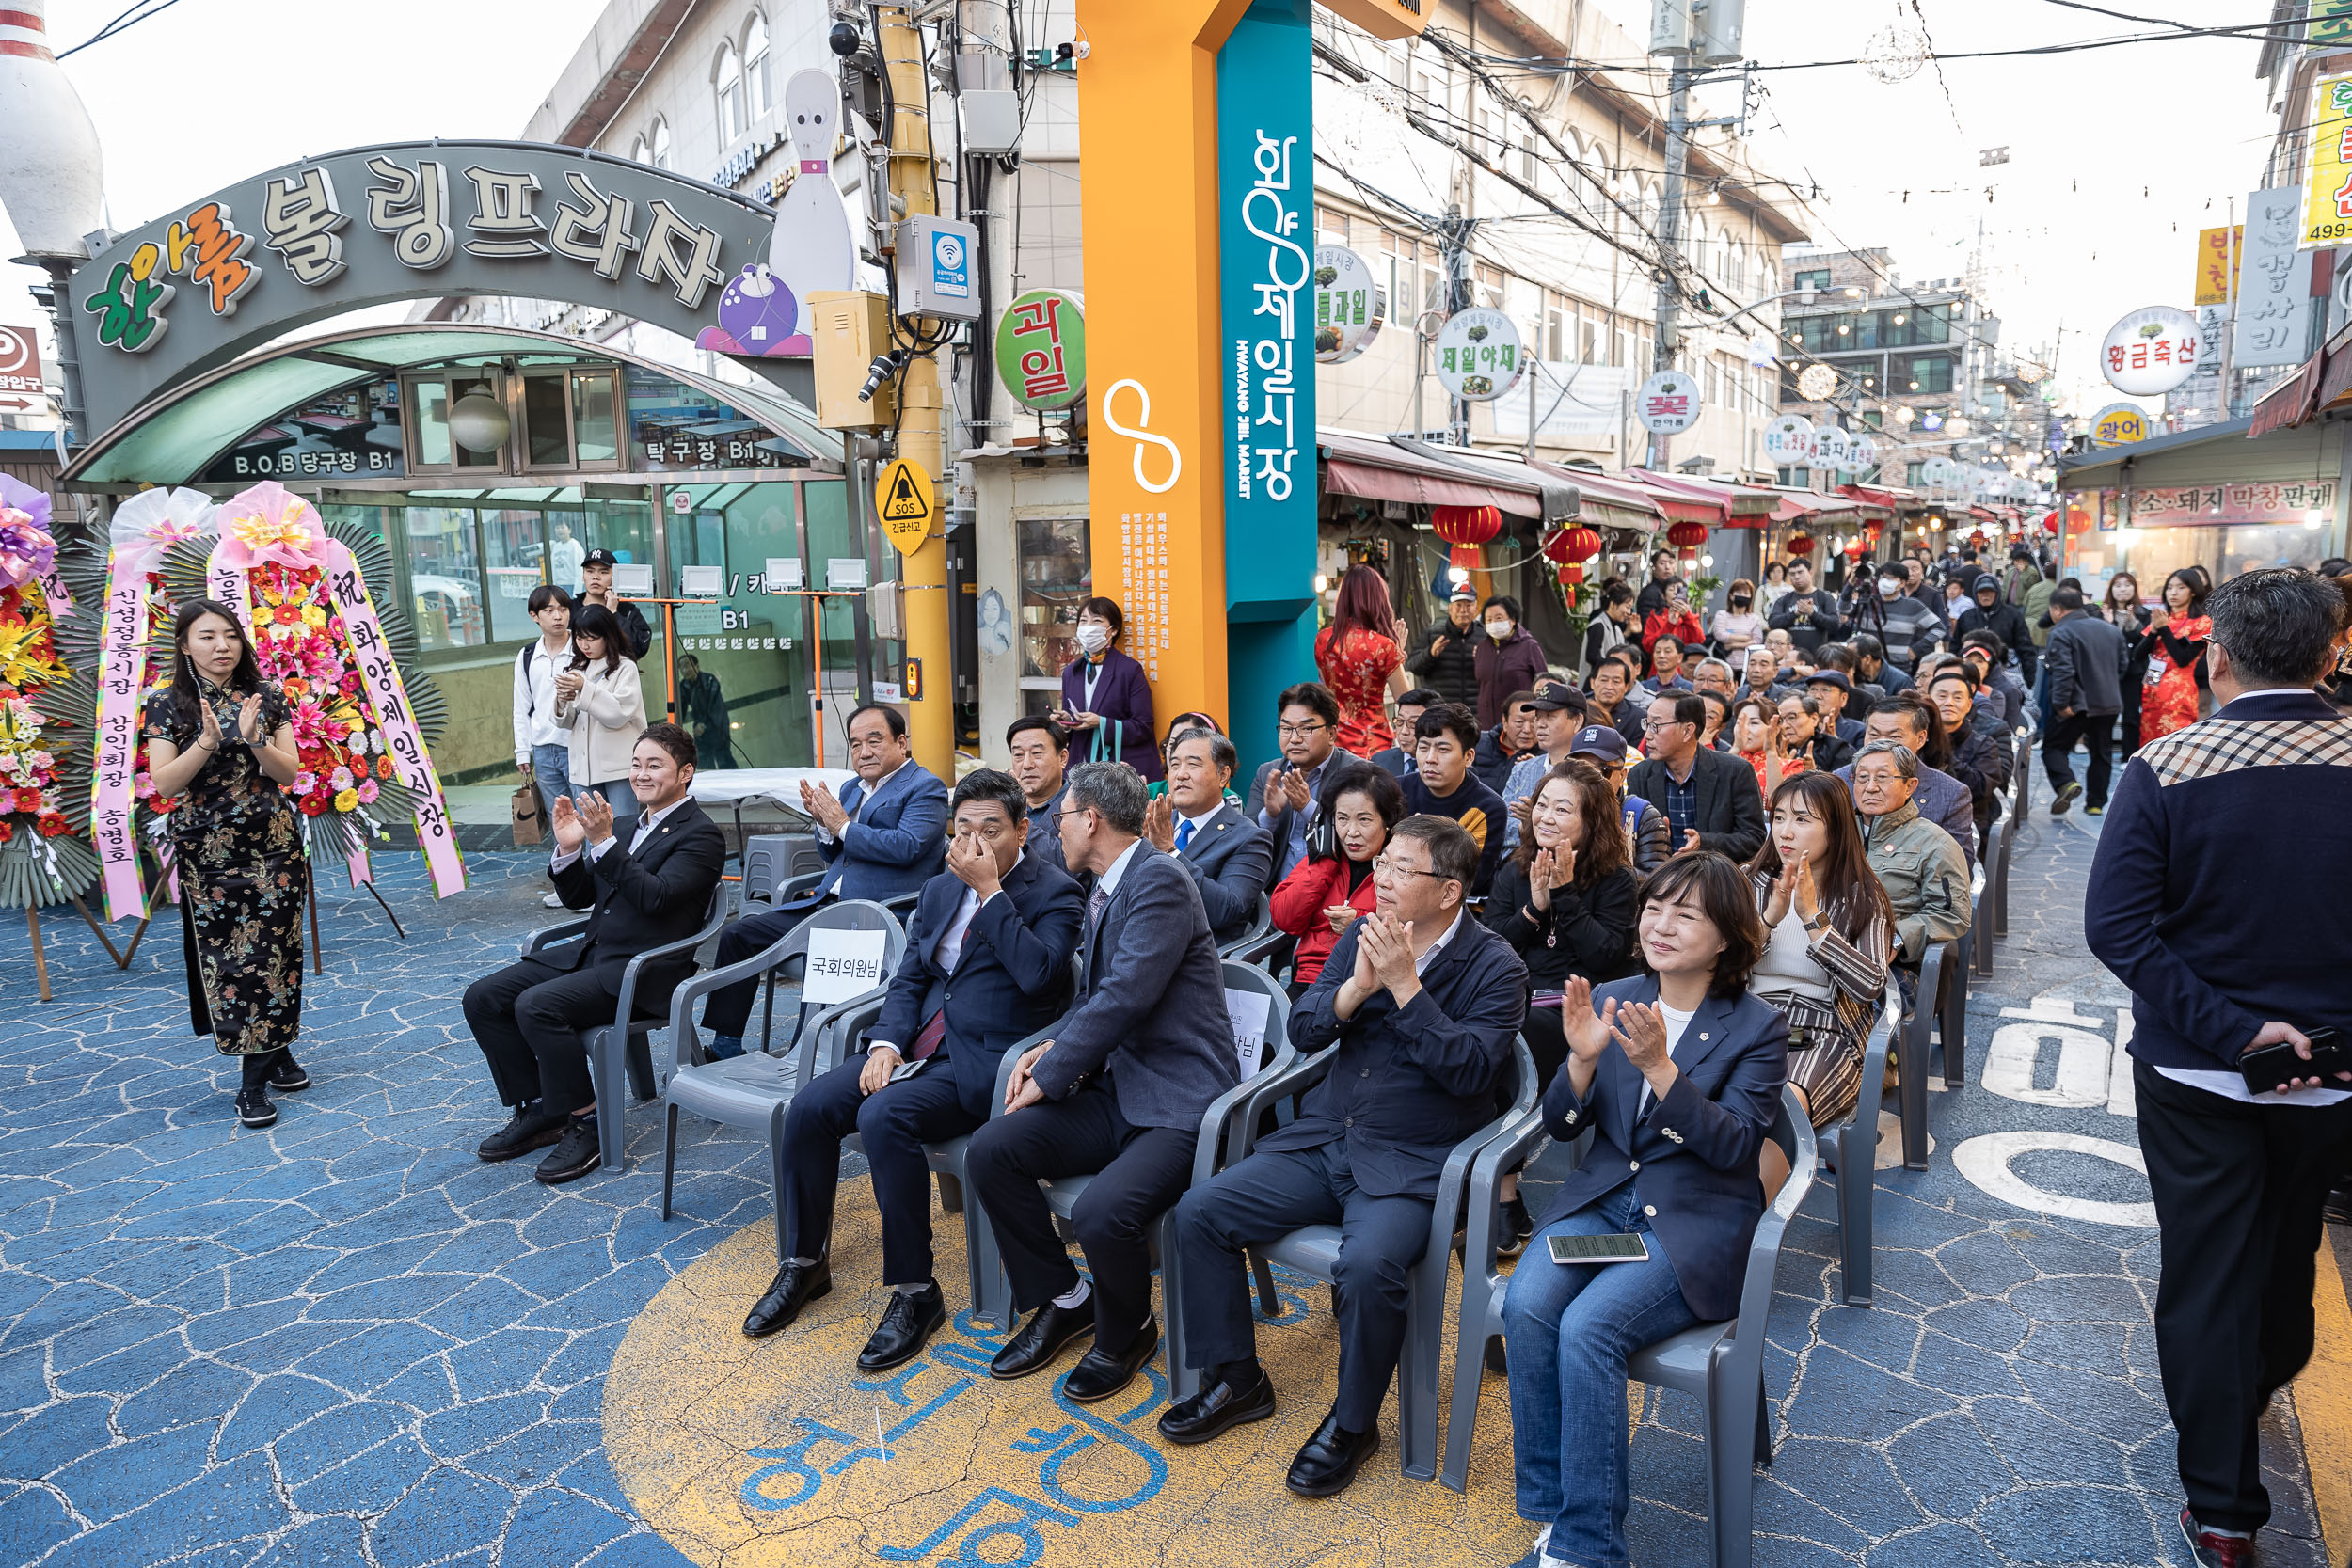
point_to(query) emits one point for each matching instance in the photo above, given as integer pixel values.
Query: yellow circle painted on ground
(744, 1453)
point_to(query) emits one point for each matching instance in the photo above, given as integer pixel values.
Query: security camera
(844, 39)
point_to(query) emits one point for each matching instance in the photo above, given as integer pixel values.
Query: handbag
(530, 817)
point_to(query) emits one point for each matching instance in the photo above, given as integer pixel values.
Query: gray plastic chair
(1722, 1363)
(1854, 1147)
(983, 1265)
(1253, 944)
(754, 1090)
(620, 1052)
(1314, 1249)
(1982, 926)
(773, 860)
(1912, 1096)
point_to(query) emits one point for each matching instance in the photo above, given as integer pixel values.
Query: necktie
(927, 1039)
(1183, 834)
(1096, 906)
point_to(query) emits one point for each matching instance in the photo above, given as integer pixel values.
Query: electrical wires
(122, 22)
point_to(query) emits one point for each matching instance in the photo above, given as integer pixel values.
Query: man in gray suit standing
(1117, 1093)
(1227, 854)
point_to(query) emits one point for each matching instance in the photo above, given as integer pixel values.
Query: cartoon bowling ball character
(757, 310)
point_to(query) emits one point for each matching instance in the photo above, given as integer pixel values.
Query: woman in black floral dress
(219, 740)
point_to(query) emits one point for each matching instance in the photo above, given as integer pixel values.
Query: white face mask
(1890, 586)
(1093, 637)
(1498, 629)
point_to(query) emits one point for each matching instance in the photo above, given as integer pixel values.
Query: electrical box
(1670, 26)
(1718, 28)
(992, 120)
(887, 608)
(846, 328)
(938, 264)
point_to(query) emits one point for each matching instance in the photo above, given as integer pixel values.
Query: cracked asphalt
(346, 1340)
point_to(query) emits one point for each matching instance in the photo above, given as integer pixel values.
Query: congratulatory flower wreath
(45, 758)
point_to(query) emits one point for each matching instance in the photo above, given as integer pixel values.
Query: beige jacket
(605, 719)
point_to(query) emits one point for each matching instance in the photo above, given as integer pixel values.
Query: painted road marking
(1986, 1162)
(2323, 1399)
(753, 1453)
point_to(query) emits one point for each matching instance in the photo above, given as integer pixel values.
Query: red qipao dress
(2168, 698)
(1358, 671)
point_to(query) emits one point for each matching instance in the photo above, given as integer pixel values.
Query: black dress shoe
(1041, 1338)
(795, 1285)
(575, 1154)
(2337, 1208)
(1330, 1459)
(533, 1126)
(907, 1323)
(253, 1106)
(288, 1076)
(1099, 1374)
(1217, 1409)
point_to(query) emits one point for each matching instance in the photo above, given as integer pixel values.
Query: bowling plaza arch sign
(194, 289)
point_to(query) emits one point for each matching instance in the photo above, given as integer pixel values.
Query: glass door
(739, 680)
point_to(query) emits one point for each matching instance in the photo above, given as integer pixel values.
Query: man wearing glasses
(1710, 797)
(1422, 1004)
(1283, 796)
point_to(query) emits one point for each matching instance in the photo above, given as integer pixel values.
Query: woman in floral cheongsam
(219, 741)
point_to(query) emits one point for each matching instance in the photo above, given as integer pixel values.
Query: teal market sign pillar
(1266, 249)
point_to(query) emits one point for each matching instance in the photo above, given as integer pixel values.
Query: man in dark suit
(1118, 1090)
(1422, 1004)
(1709, 797)
(885, 836)
(1502, 747)
(652, 890)
(1283, 796)
(1225, 853)
(2216, 897)
(992, 935)
(1040, 757)
(1397, 760)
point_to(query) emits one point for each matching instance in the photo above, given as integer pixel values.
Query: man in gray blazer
(1117, 1093)
(1227, 854)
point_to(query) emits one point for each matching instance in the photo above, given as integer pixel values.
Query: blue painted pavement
(345, 1339)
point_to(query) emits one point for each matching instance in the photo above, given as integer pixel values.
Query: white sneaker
(553, 901)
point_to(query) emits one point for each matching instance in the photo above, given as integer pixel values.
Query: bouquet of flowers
(43, 759)
(302, 644)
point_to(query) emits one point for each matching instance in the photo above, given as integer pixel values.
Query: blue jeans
(622, 798)
(1569, 1329)
(551, 766)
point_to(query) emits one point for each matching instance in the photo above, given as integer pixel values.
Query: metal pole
(1454, 252)
(1670, 239)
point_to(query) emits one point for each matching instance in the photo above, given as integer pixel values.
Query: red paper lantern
(1568, 549)
(1977, 541)
(1466, 528)
(1687, 538)
(1799, 544)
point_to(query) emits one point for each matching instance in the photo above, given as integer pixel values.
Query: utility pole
(1670, 234)
(922, 422)
(1454, 254)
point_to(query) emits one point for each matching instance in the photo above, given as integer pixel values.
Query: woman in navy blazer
(1105, 702)
(1677, 1075)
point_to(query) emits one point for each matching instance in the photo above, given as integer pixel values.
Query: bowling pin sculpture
(52, 178)
(810, 248)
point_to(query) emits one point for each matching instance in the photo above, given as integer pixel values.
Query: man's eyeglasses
(1659, 726)
(1299, 731)
(1383, 866)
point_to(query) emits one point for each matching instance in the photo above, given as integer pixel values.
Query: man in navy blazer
(1421, 1005)
(987, 964)
(2218, 897)
(1118, 1093)
(1226, 854)
(884, 837)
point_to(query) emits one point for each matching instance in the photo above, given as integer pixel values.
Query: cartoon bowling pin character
(810, 248)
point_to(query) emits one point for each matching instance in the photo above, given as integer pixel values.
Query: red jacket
(1312, 887)
(1684, 628)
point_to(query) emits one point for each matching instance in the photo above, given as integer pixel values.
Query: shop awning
(1612, 501)
(1380, 470)
(2289, 404)
(1723, 504)
(1813, 503)
(175, 437)
(1893, 500)
(1557, 492)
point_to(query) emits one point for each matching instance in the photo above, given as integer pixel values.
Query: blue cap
(1597, 740)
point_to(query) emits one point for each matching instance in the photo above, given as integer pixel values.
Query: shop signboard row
(2268, 501)
(1791, 441)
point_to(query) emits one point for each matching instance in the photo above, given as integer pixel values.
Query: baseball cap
(1597, 740)
(1557, 696)
(599, 557)
(1831, 677)
(1464, 590)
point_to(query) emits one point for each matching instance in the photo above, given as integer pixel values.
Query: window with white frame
(756, 94)
(729, 80)
(658, 145)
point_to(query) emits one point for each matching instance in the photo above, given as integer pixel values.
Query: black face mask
(1739, 604)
